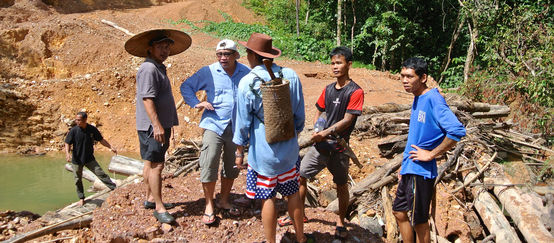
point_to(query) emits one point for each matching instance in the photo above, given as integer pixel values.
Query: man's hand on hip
(204, 105)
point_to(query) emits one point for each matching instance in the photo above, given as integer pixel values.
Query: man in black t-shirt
(82, 138)
(342, 103)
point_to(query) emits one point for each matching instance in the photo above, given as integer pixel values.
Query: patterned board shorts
(263, 187)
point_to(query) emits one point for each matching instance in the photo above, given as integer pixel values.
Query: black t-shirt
(83, 143)
(336, 102)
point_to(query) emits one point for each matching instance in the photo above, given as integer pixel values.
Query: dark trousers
(96, 169)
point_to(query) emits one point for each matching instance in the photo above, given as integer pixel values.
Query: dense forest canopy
(491, 50)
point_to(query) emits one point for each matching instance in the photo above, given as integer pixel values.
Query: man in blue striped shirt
(220, 81)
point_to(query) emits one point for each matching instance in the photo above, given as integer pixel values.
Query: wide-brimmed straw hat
(261, 44)
(139, 43)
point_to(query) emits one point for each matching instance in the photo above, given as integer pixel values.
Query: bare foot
(81, 202)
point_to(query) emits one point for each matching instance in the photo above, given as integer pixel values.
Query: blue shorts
(264, 187)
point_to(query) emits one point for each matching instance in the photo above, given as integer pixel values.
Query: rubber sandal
(152, 205)
(244, 202)
(286, 221)
(309, 239)
(230, 212)
(164, 217)
(211, 219)
(341, 232)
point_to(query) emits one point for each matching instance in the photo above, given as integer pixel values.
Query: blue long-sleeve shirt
(220, 92)
(430, 121)
(267, 159)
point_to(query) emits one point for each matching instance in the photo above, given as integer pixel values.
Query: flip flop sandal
(309, 239)
(164, 217)
(286, 221)
(152, 205)
(244, 202)
(341, 232)
(230, 212)
(211, 219)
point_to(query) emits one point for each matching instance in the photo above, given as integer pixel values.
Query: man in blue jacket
(220, 81)
(434, 129)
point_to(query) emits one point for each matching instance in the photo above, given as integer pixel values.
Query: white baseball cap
(226, 44)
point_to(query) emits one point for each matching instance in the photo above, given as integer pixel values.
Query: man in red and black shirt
(342, 103)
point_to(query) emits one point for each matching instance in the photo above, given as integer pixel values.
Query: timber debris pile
(472, 188)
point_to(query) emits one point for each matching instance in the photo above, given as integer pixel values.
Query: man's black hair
(418, 64)
(342, 51)
(82, 114)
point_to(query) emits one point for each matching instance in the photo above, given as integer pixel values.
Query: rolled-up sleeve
(447, 120)
(244, 113)
(192, 85)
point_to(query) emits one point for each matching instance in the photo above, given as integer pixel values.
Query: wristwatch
(239, 155)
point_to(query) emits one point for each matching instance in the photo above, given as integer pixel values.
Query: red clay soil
(58, 59)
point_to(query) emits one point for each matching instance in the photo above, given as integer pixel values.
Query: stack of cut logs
(468, 174)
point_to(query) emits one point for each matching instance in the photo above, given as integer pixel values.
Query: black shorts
(414, 194)
(150, 149)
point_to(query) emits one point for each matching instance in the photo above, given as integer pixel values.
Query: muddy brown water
(41, 183)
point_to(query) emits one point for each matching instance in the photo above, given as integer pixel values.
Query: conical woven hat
(139, 43)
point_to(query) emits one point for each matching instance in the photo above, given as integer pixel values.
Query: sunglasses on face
(226, 54)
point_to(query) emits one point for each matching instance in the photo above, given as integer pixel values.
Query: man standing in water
(82, 137)
(155, 108)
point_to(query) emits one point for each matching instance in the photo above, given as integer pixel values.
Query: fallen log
(79, 221)
(87, 174)
(467, 182)
(112, 24)
(186, 167)
(97, 184)
(491, 214)
(386, 108)
(522, 211)
(450, 162)
(496, 111)
(391, 227)
(125, 165)
(365, 185)
(392, 146)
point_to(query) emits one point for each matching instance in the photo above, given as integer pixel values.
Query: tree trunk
(491, 214)
(307, 12)
(523, 212)
(339, 21)
(297, 20)
(353, 25)
(125, 165)
(470, 51)
(455, 35)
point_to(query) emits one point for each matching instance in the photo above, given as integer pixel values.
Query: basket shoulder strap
(256, 79)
